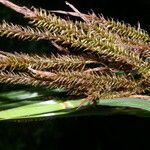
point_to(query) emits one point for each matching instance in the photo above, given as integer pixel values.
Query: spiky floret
(78, 39)
(126, 30)
(134, 39)
(126, 34)
(48, 20)
(103, 47)
(22, 61)
(53, 23)
(73, 82)
(98, 27)
(81, 40)
(122, 29)
(20, 78)
(76, 81)
(24, 33)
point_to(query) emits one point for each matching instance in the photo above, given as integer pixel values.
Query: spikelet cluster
(104, 58)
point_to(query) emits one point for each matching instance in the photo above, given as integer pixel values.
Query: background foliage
(55, 133)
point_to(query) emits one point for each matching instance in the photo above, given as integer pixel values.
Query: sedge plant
(97, 58)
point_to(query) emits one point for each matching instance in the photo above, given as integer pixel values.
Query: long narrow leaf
(29, 108)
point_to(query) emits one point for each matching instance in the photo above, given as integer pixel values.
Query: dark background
(92, 132)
